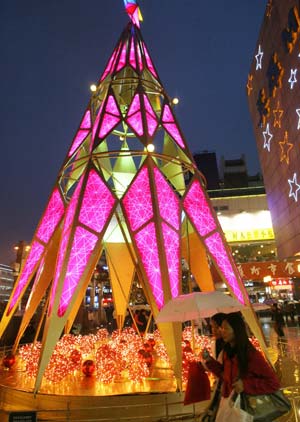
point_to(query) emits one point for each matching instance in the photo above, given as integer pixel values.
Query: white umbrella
(198, 305)
(260, 306)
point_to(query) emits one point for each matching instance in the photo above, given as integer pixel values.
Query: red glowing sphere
(88, 367)
(75, 356)
(9, 360)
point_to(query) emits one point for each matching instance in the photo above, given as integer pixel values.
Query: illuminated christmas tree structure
(129, 188)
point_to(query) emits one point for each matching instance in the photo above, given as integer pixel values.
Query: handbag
(265, 407)
(198, 385)
(230, 410)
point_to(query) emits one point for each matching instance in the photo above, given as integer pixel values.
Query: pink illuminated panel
(52, 216)
(110, 64)
(79, 138)
(132, 59)
(82, 247)
(147, 246)
(111, 117)
(86, 122)
(171, 247)
(64, 240)
(134, 116)
(96, 123)
(138, 202)
(149, 62)
(167, 200)
(32, 259)
(97, 203)
(169, 124)
(216, 247)
(196, 206)
(150, 116)
(122, 59)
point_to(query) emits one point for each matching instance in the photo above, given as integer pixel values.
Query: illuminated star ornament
(292, 80)
(267, 137)
(298, 113)
(133, 11)
(286, 147)
(294, 187)
(258, 58)
(278, 112)
(249, 84)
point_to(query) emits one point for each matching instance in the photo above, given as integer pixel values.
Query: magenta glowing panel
(132, 59)
(51, 218)
(149, 62)
(172, 250)
(170, 125)
(139, 54)
(196, 205)
(32, 259)
(122, 59)
(138, 202)
(96, 123)
(69, 217)
(97, 203)
(151, 118)
(79, 138)
(216, 247)
(146, 242)
(110, 64)
(134, 116)
(111, 118)
(83, 245)
(86, 122)
(167, 200)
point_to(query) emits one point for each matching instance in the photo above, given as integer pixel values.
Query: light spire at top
(133, 11)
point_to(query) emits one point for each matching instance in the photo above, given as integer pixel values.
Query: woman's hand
(238, 386)
(205, 355)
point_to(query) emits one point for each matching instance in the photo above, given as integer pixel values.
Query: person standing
(278, 321)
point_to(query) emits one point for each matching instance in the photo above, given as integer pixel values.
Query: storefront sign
(274, 269)
(22, 417)
(249, 235)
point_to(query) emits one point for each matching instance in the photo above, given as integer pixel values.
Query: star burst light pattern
(216, 248)
(147, 246)
(167, 200)
(134, 116)
(111, 118)
(64, 240)
(151, 118)
(52, 216)
(97, 203)
(170, 125)
(196, 205)
(171, 246)
(137, 201)
(33, 257)
(83, 245)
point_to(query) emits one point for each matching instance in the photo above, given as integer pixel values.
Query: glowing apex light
(133, 11)
(258, 58)
(294, 187)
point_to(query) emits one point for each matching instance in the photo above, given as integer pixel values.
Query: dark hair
(218, 318)
(242, 342)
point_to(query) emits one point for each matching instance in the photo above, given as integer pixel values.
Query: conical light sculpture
(122, 189)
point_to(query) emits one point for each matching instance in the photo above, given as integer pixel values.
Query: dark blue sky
(51, 51)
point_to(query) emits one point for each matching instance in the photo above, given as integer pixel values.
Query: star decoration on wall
(277, 112)
(269, 8)
(298, 113)
(258, 58)
(285, 147)
(249, 84)
(292, 80)
(294, 187)
(267, 137)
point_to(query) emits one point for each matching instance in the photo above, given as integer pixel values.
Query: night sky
(51, 51)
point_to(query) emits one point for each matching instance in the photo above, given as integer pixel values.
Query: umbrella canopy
(198, 305)
(260, 307)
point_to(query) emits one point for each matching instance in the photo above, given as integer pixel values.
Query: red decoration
(198, 386)
(75, 356)
(88, 367)
(148, 359)
(9, 360)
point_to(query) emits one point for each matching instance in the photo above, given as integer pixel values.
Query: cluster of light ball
(110, 357)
